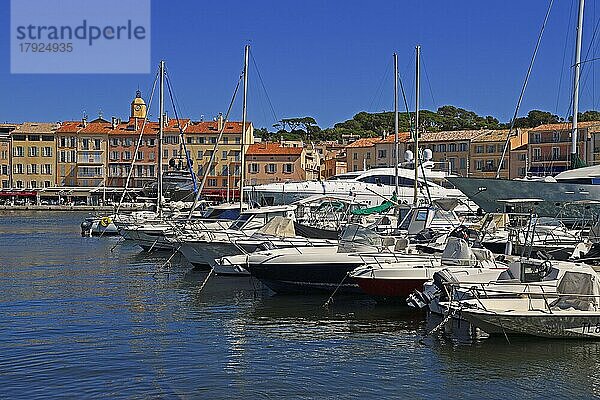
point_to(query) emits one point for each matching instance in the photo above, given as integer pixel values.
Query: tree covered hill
(446, 118)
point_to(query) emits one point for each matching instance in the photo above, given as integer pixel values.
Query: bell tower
(138, 106)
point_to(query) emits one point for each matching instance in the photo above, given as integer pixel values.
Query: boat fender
(105, 221)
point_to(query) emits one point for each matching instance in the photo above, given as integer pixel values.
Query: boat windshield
(547, 221)
(361, 235)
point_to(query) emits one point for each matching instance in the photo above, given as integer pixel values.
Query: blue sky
(330, 59)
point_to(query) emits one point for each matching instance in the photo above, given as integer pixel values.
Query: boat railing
(478, 288)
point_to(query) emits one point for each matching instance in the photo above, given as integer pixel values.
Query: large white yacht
(371, 187)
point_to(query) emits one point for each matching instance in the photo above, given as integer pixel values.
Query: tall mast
(159, 186)
(576, 83)
(243, 141)
(396, 120)
(416, 150)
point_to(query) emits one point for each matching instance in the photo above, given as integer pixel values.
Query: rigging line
(562, 65)
(428, 82)
(512, 122)
(137, 146)
(187, 155)
(214, 151)
(379, 89)
(264, 87)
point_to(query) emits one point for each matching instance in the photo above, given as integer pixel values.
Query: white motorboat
(368, 187)
(573, 311)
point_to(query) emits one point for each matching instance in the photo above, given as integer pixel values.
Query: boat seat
(401, 244)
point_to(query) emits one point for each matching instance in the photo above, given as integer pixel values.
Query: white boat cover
(279, 226)
(579, 291)
(458, 252)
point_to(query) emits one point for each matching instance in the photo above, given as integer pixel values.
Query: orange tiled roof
(565, 126)
(212, 127)
(364, 142)
(36, 127)
(402, 138)
(69, 127)
(492, 136)
(449, 136)
(272, 149)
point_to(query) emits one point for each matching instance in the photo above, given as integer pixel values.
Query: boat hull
(489, 193)
(556, 325)
(390, 290)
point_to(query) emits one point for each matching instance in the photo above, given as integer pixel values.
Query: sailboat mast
(243, 141)
(576, 83)
(416, 150)
(396, 121)
(159, 186)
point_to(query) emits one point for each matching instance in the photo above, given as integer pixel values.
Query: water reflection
(81, 317)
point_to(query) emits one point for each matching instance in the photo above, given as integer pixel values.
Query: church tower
(138, 106)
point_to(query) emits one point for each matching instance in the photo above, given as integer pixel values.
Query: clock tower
(138, 106)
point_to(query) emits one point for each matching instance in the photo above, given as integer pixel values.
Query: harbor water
(93, 318)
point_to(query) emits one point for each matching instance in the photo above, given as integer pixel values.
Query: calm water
(79, 319)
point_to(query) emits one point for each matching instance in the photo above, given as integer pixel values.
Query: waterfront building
(92, 149)
(385, 149)
(450, 148)
(334, 165)
(550, 146)
(360, 154)
(6, 155)
(66, 153)
(486, 155)
(33, 147)
(272, 162)
(224, 173)
(519, 155)
(122, 141)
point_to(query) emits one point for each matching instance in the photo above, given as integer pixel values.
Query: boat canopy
(579, 290)
(383, 207)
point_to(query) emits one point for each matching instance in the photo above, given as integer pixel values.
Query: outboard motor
(433, 290)
(86, 227)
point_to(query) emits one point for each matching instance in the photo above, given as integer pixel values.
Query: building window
(452, 147)
(166, 153)
(271, 168)
(114, 141)
(442, 148)
(537, 154)
(19, 151)
(5, 184)
(254, 168)
(46, 151)
(127, 155)
(462, 147)
(47, 184)
(140, 155)
(200, 154)
(151, 156)
(489, 165)
(238, 140)
(175, 153)
(381, 154)
(114, 155)
(85, 144)
(463, 163)
(368, 155)
(33, 151)
(97, 144)
(288, 168)
(19, 184)
(224, 155)
(491, 148)
(225, 170)
(479, 165)
(556, 153)
(224, 182)
(189, 140)
(47, 169)
(33, 184)
(225, 140)
(523, 157)
(213, 140)
(537, 138)
(556, 137)
(212, 182)
(355, 156)
(522, 171)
